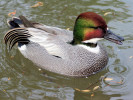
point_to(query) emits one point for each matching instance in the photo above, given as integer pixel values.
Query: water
(20, 79)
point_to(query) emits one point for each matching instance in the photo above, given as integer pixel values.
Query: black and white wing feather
(17, 35)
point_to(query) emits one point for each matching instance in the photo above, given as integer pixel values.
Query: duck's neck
(74, 42)
(93, 45)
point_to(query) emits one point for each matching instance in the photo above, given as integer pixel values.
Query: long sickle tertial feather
(19, 35)
(26, 22)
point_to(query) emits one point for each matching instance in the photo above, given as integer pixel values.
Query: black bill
(113, 37)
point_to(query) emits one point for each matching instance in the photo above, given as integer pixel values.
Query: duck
(74, 53)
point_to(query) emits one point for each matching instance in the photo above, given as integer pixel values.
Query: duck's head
(91, 27)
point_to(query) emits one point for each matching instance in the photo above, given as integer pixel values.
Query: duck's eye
(98, 27)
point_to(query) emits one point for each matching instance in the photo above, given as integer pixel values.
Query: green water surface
(20, 79)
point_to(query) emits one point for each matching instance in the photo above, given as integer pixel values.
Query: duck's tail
(19, 22)
(18, 33)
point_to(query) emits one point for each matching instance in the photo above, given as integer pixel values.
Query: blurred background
(20, 79)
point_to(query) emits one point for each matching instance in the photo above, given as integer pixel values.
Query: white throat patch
(95, 50)
(94, 40)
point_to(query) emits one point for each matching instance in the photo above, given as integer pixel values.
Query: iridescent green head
(91, 27)
(88, 26)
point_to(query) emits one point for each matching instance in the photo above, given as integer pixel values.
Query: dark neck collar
(87, 44)
(93, 45)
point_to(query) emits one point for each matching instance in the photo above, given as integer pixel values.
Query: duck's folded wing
(26, 36)
(62, 34)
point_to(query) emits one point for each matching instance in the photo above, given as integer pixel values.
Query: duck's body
(55, 50)
(54, 54)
